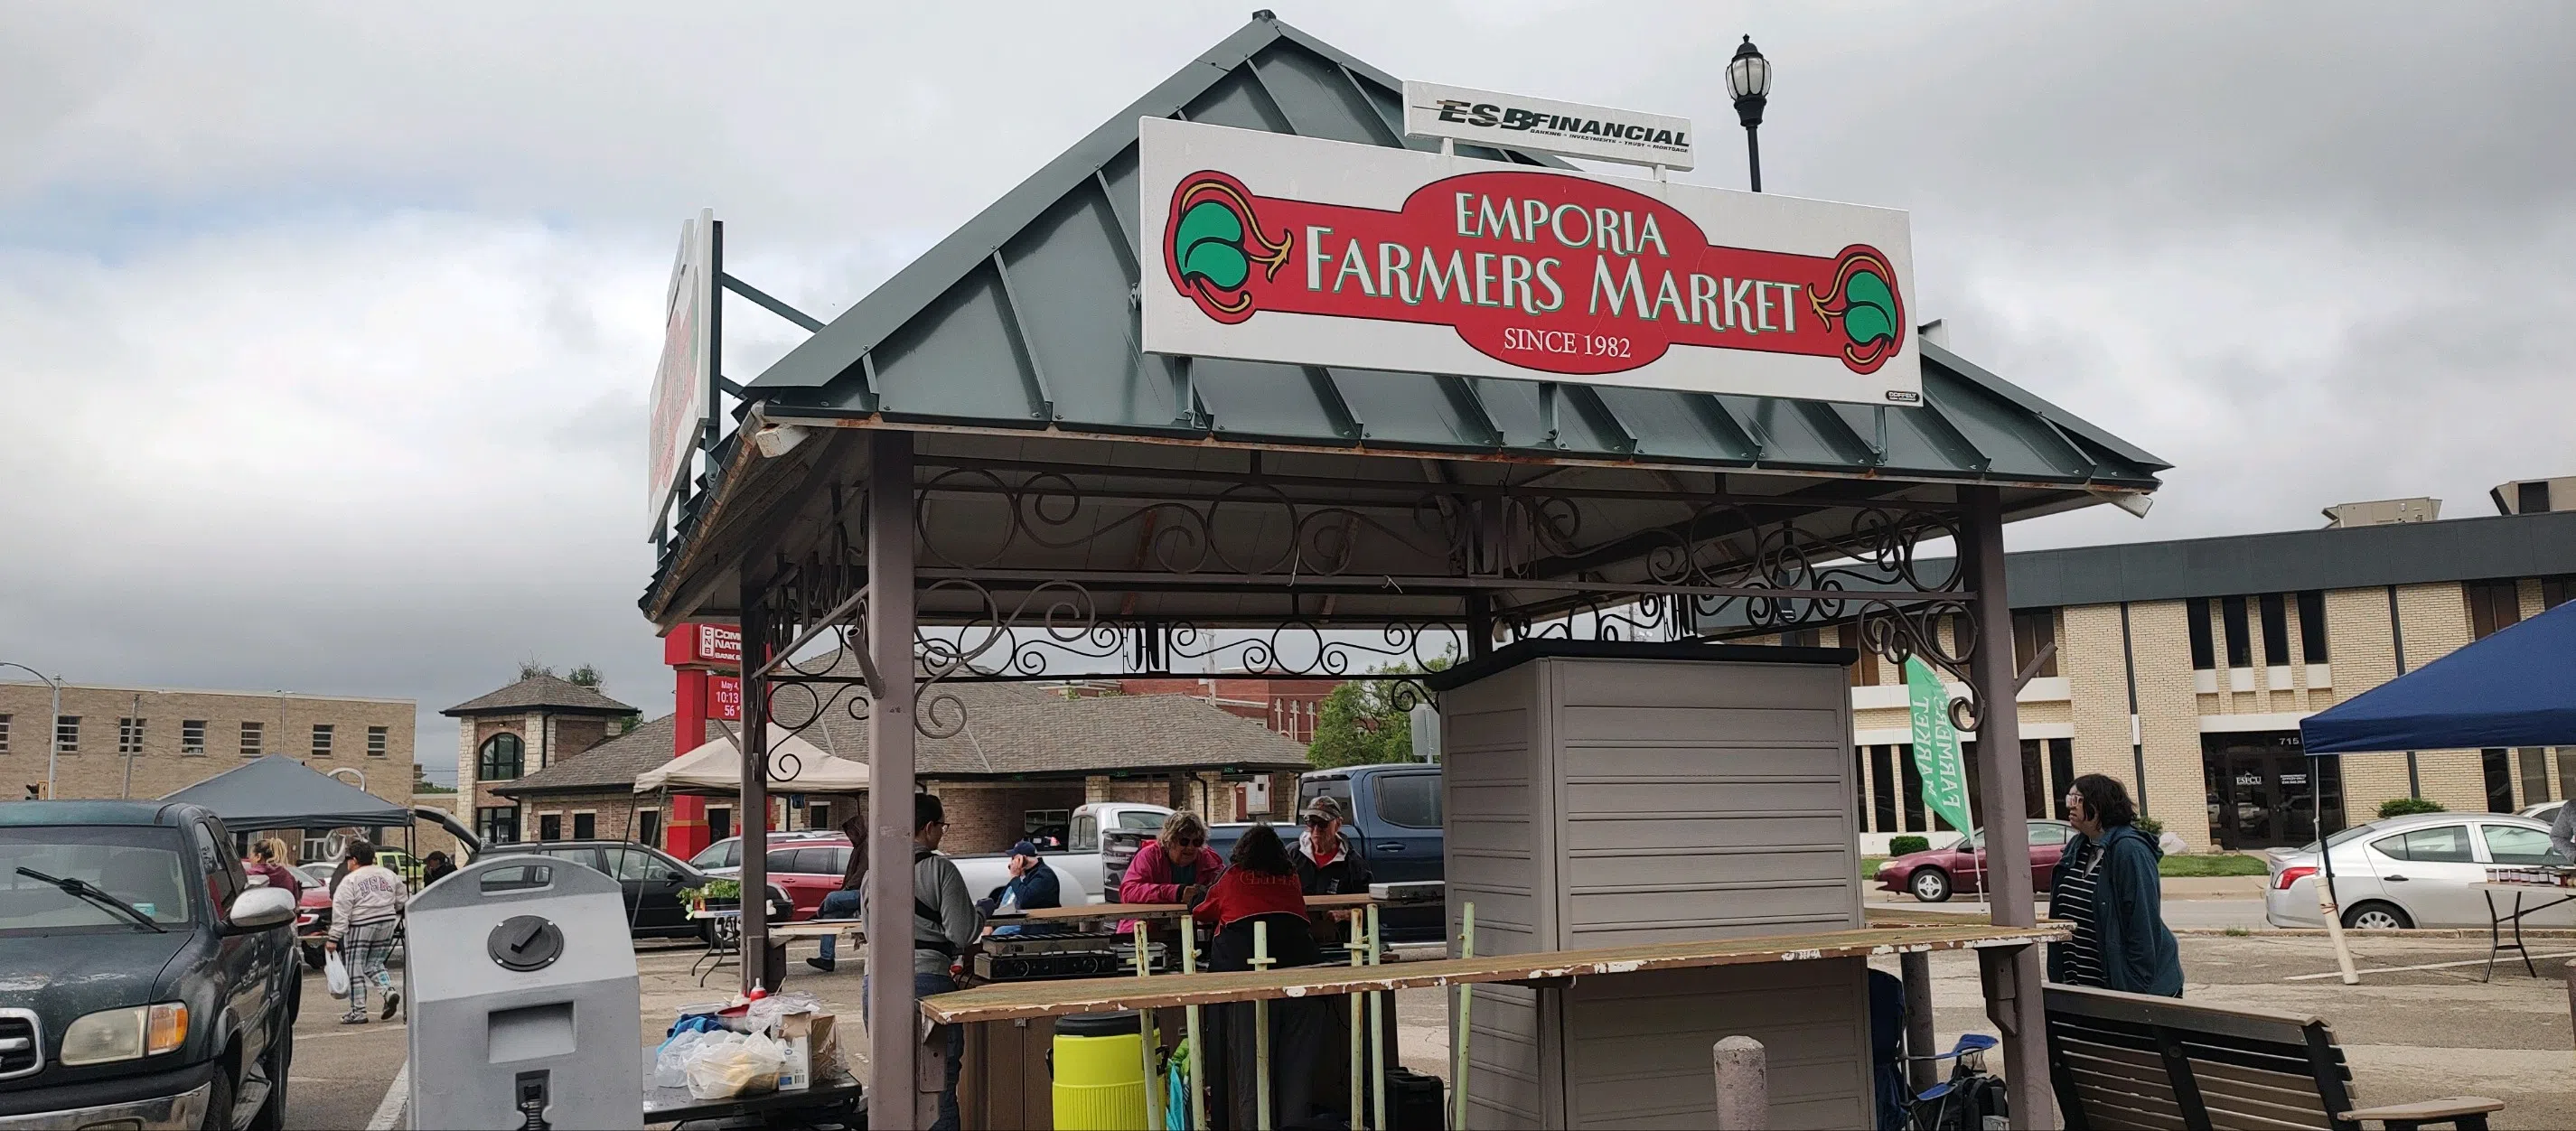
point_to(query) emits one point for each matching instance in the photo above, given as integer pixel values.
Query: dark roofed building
(537, 722)
(1025, 758)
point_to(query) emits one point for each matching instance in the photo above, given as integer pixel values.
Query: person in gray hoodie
(2107, 886)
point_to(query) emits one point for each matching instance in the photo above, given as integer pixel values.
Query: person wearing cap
(1033, 885)
(1328, 862)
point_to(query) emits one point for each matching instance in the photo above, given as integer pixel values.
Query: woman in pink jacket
(1176, 866)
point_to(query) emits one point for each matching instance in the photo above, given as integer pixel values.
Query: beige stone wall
(95, 767)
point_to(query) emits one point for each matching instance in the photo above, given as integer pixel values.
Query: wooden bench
(2133, 1061)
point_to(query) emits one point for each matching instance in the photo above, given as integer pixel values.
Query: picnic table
(2497, 918)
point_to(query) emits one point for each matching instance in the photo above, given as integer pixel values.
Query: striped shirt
(2077, 896)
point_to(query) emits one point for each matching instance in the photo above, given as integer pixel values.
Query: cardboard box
(813, 1049)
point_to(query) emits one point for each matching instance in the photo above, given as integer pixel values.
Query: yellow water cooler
(1098, 1067)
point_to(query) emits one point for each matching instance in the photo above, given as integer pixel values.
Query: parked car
(143, 981)
(2545, 812)
(810, 866)
(313, 912)
(1935, 874)
(651, 878)
(2411, 871)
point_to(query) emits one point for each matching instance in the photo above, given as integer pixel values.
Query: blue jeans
(924, 985)
(838, 905)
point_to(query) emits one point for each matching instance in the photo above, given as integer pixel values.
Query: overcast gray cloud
(325, 329)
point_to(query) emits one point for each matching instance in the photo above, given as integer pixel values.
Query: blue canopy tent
(2514, 688)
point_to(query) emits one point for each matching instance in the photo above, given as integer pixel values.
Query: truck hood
(62, 977)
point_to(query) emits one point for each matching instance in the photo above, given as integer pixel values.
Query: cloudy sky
(326, 330)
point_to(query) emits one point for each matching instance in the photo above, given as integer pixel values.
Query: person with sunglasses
(1175, 867)
(1329, 862)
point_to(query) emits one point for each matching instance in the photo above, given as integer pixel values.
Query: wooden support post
(1145, 1034)
(1920, 1074)
(891, 1004)
(1466, 1004)
(1377, 1031)
(1198, 1083)
(1743, 1085)
(2571, 989)
(1999, 788)
(1261, 1030)
(1358, 1093)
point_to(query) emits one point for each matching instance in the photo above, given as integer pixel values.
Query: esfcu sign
(1448, 265)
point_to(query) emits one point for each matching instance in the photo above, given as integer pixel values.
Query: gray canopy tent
(276, 792)
(974, 474)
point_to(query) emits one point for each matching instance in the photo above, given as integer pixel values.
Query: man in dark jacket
(1329, 862)
(1033, 885)
(2107, 886)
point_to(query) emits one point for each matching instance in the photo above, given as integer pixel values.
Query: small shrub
(2238, 932)
(2149, 826)
(2401, 806)
(1907, 845)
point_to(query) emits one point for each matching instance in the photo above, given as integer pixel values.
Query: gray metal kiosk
(1603, 794)
(524, 1002)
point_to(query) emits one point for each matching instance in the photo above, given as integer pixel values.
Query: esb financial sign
(1266, 247)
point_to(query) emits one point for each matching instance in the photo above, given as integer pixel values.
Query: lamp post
(1748, 78)
(53, 726)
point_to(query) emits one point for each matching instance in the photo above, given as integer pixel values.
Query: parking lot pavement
(341, 1072)
(2180, 914)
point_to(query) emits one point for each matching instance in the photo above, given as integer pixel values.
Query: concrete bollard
(1921, 1074)
(1743, 1085)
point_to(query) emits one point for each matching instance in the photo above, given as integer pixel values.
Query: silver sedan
(2412, 871)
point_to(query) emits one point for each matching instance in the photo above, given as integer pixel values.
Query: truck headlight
(111, 1035)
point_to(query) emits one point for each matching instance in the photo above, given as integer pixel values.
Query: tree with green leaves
(1361, 723)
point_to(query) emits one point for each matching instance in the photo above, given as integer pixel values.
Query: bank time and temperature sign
(1267, 247)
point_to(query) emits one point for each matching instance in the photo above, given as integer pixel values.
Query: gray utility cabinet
(1605, 794)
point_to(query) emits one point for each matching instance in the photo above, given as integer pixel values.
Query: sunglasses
(1189, 842)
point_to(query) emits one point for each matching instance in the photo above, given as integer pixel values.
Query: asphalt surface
(341, 1071)
(2203, 914)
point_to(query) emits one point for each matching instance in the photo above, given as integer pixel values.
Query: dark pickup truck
(1393, 813)
(144, 983)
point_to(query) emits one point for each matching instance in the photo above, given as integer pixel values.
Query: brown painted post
(1999, 787)
(752, 817)
(892, 1006)
(1743, 1085)
(2571, 989)
(1916, 968)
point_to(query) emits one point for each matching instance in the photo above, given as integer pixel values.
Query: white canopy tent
(717, 768)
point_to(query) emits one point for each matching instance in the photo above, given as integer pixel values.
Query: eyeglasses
(1189, 842)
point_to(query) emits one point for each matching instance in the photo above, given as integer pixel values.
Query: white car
(2412, 871)
(2544, 812)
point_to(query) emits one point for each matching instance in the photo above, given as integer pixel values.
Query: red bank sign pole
(696, 652)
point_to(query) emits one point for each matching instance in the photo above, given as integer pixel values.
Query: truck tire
(312, 956)
(219, 1100)
(277, 1065)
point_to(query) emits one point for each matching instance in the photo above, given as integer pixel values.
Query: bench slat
(2144, 1009)
(2107, 1110)
(2225, 1077)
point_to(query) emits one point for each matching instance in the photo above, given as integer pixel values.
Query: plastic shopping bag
(734, 1064)
(335, 974)
(671, 1064)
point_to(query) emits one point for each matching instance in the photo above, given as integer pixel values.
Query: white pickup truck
(1080, 876)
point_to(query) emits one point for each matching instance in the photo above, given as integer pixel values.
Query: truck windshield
(144, 868)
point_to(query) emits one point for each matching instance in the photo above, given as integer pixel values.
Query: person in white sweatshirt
(366, 911)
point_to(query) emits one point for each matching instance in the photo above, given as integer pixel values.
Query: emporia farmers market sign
(1310, 252)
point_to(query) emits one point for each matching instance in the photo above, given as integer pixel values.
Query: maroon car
(1933, 874)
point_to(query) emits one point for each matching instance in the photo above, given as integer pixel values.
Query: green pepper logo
(1212, 243)
(1863, 304)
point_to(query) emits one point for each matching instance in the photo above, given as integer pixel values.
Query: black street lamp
(1748, 78)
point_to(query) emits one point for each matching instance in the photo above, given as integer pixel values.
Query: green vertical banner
(1936, 745)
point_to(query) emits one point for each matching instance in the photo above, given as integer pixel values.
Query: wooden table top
(1090, 912)
(1002, 1001)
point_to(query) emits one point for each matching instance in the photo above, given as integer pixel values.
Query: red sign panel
(724, 697)
(1541, 271)
(703, 646)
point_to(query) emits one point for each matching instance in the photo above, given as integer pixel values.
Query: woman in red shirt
(1260, 885)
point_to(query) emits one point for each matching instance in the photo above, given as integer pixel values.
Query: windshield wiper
(95, 894)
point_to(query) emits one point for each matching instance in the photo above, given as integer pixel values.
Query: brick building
(521, 729)
(1026, 758)
(2187, 666)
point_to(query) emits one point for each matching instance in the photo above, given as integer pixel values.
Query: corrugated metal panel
(1054, 329)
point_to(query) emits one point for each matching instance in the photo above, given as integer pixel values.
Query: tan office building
(2187, 665)
(148, 741)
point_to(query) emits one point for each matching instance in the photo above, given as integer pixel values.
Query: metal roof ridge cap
(2032, 402)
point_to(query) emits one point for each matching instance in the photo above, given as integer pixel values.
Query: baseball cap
(1324, 808)
(1025, 848)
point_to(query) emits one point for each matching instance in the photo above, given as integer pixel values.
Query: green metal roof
(1025, 320)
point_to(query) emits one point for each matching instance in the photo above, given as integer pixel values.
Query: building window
(2034, 630)
(585, 826)
(2499, 774)
(497, 824)
(719, 822)
(129, 736)
(4, 734)
(2204, 655)
(2312, 626)
(251, 736)
(321, 740)
(67, 733)
(2493, 605)
(2276, 629)
(1910, 778)
(502, 758)
(2531, 498)
(648, 827)
(549, 826)
(2553, 591)
(1799, 638)
(376, 738)
(1864, 668)
(1882, 789)
(2046, 796)
(818, 815)
(2240, 638)
(2535, 774)
(192, 736)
